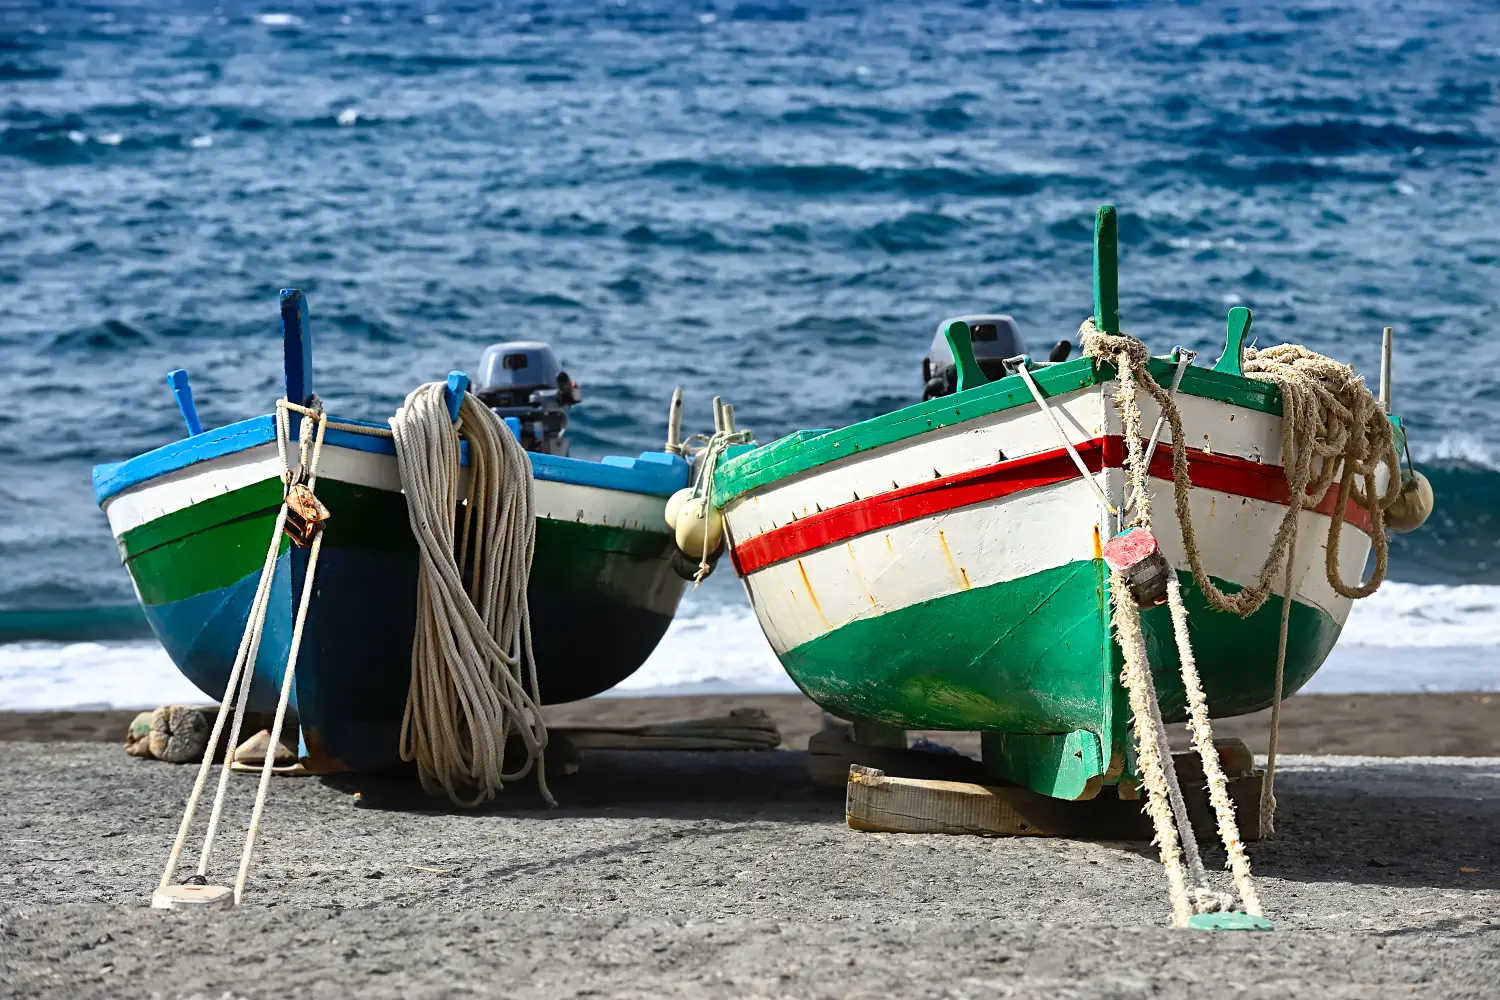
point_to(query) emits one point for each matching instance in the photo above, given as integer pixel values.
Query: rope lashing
(707, 460)
(237, 688)
(473, 675)
(1330, 417)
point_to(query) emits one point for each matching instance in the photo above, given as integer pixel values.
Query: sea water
(776, 202)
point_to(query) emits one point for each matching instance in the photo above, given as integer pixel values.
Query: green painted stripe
(247, 501)
(1033, 656)
(219, 541)
(625, 567)
(804, 450)
(214, 557)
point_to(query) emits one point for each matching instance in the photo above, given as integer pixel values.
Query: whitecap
(278, 20)
(347, 117)
(1427, 616)
(54, 675)
(1455, 448)
(201, 141)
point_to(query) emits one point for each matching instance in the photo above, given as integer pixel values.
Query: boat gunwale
(752, 468)
(651, 473)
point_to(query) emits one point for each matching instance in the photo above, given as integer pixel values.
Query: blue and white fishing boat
(193, 520)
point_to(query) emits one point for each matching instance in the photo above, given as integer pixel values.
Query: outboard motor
(995, 338)
(523, 379)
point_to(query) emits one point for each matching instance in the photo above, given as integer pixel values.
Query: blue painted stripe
(654, 473)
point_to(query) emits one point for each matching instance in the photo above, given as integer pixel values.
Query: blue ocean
(774, 201)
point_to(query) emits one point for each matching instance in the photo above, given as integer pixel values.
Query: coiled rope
(473, 675)
(237, 688)
(1328, 416)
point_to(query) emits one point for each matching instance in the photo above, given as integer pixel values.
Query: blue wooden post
(178, 380)
(458, 384)
(296, 343)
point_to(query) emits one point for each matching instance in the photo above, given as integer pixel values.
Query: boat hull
(950, 576)
(601, 594)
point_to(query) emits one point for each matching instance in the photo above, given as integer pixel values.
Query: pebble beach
(727, 875)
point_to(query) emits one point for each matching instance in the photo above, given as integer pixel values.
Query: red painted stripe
(1221, 473)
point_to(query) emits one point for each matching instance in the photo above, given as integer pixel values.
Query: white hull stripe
(201, 481)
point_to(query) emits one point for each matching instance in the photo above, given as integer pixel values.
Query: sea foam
(1405, 638)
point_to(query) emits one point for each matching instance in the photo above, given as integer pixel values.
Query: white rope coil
(473, 675)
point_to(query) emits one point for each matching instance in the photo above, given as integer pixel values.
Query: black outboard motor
(523, 379)
(995, 338)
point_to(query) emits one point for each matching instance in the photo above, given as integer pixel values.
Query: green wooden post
(1107, 270)
(1234, 342)
(961, 343)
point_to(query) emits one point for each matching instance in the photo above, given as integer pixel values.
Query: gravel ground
(726, 875)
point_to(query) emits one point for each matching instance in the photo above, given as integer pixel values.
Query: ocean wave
(1457, 450)
(101, 130)
(716, 648)
(1250, 173)
(84, 675)
(836, 178)
(1461, 540)
(912, 231)
(852, 116)
(1333, 137)
(22, 71)
(107, 335)
(1411, 615)
(784, 12)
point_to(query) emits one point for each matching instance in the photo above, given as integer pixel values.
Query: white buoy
(674, 505)
(1413, 505)
(697, 519)
(187, 897)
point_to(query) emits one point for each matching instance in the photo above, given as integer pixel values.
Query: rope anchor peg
(1135, 555)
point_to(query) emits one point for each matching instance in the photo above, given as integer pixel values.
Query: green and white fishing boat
(941, 566)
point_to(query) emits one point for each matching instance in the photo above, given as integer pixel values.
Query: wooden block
(877, 801)
(741, 729)
(913, 805)
(831, 751)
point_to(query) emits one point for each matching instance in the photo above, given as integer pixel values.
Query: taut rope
(237, 688)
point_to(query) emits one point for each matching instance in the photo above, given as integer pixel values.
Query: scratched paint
(812, 596)
(959, 577)
(859, 577)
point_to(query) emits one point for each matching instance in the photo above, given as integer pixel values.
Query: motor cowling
(525, 380)
(995, 337)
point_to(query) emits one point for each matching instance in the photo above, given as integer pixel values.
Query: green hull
(1031, 662)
